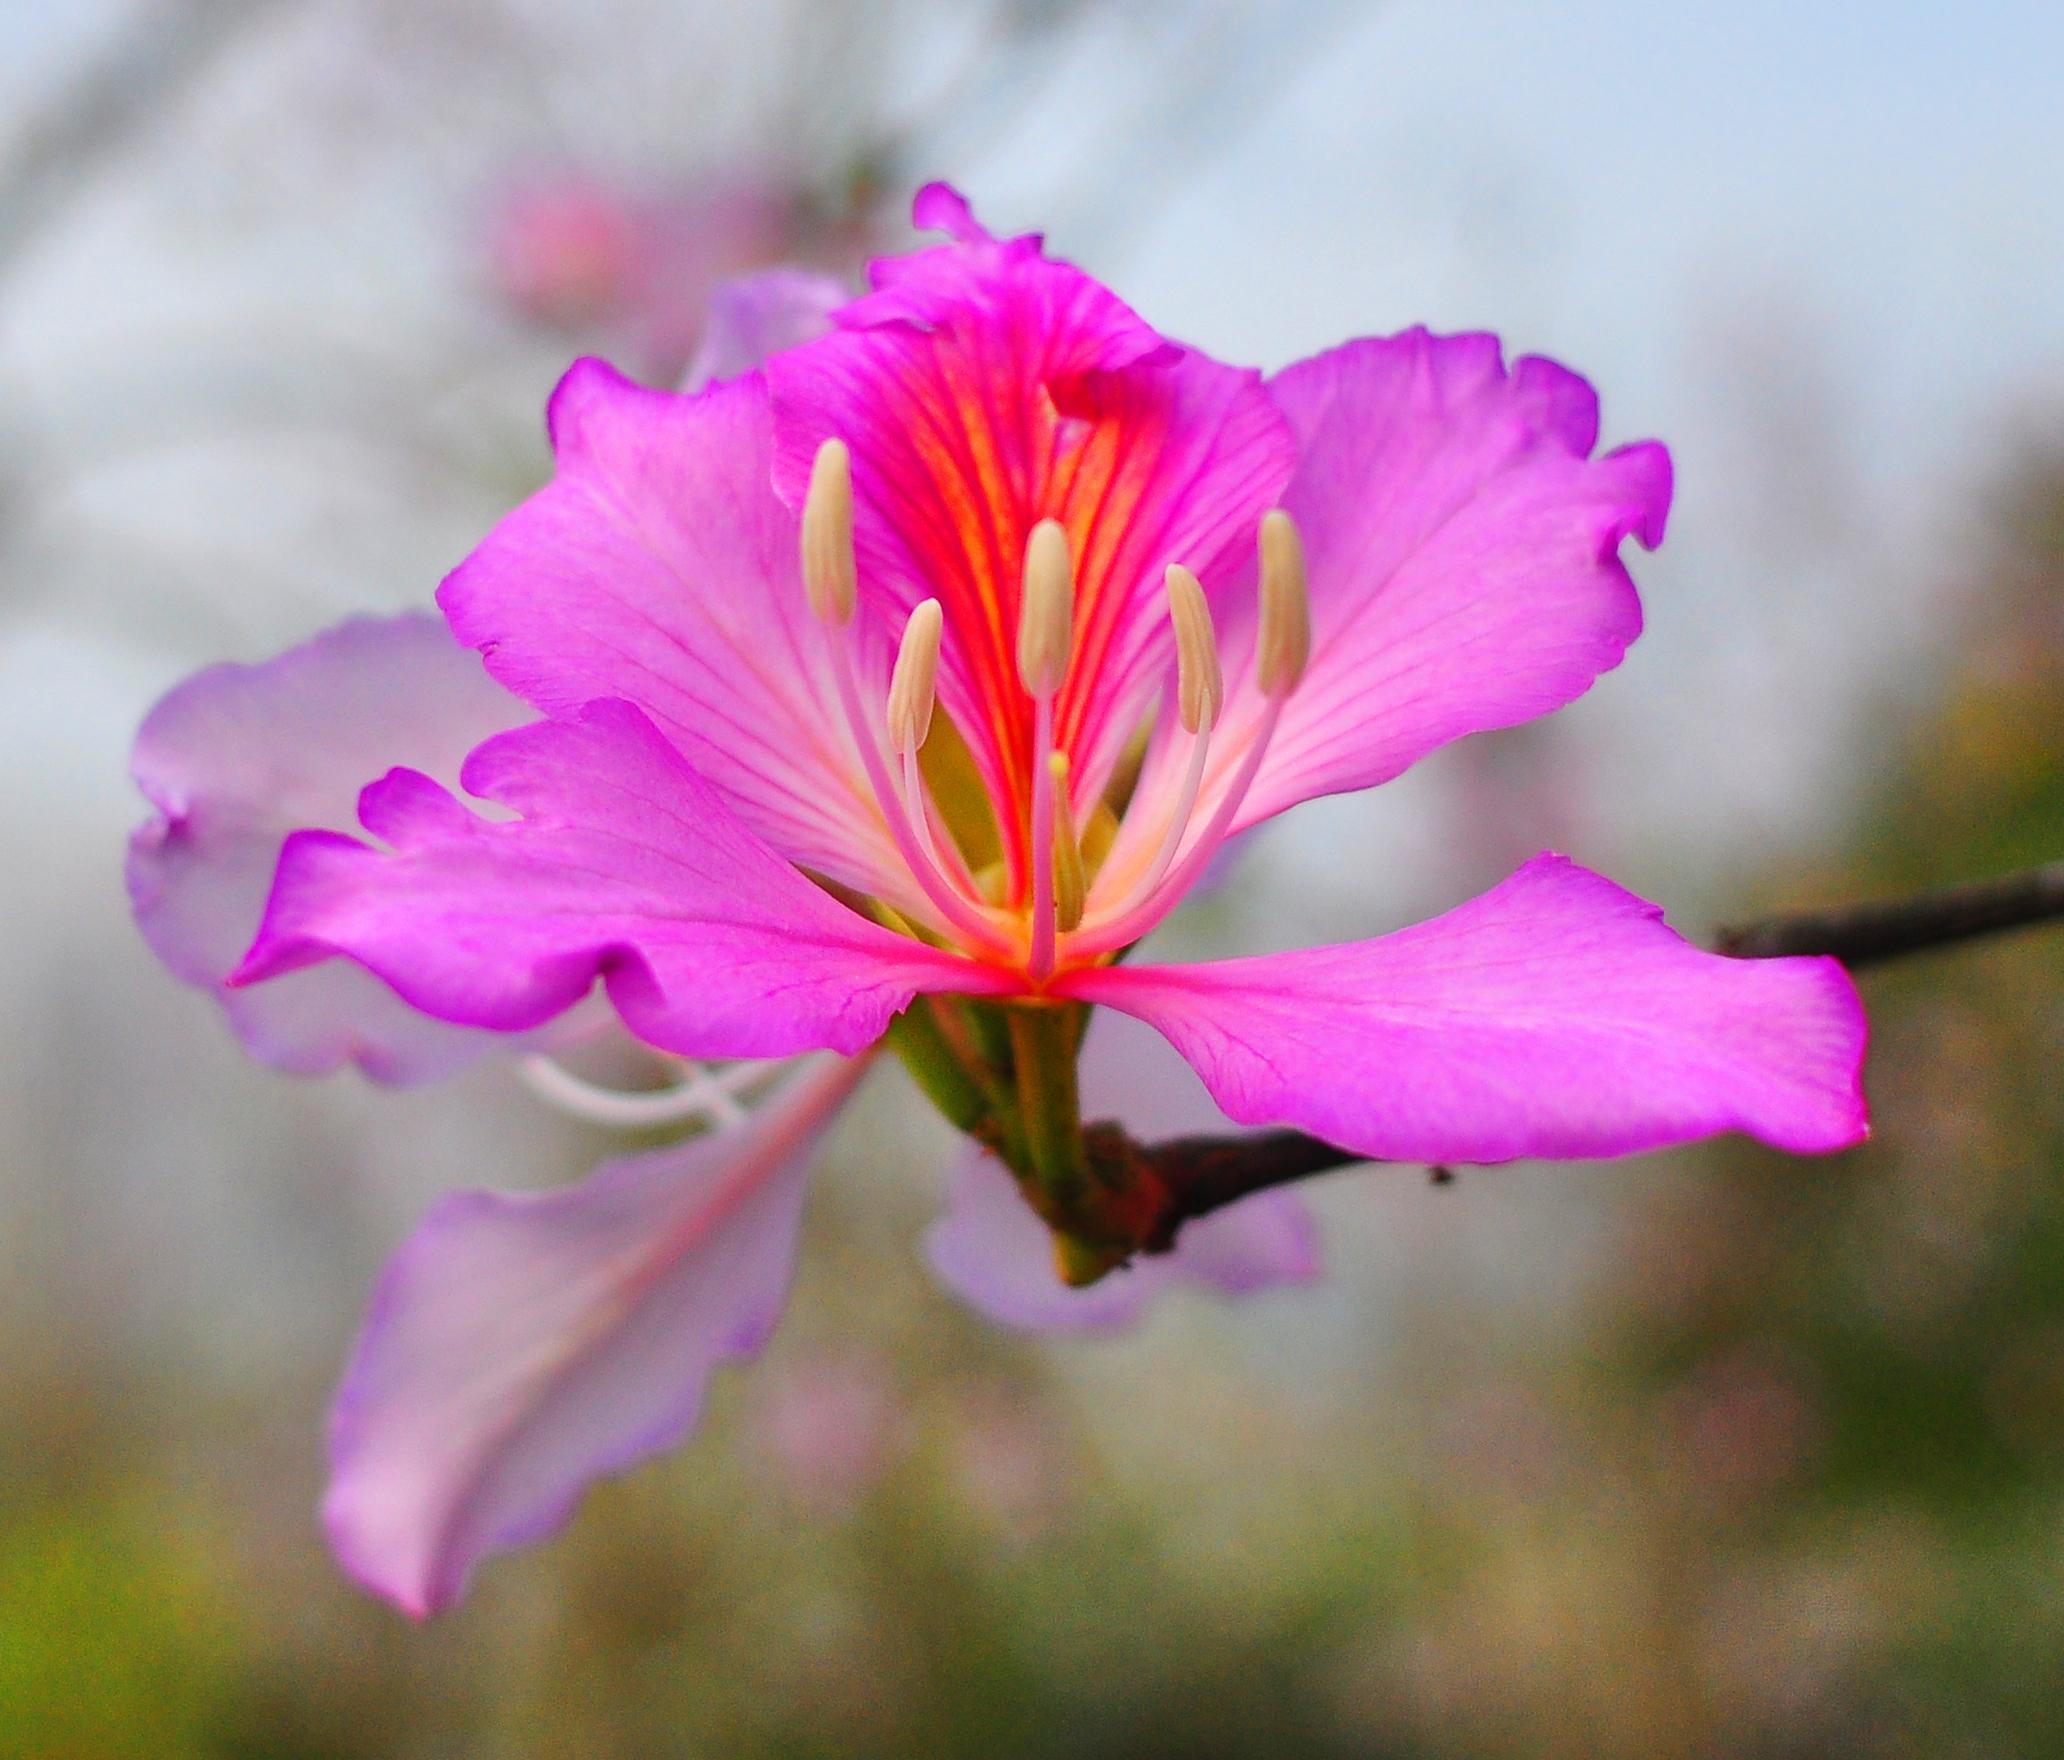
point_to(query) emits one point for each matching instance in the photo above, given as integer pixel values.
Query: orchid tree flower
(883, 696)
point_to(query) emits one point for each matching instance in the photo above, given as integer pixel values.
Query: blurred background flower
(1704, 1454)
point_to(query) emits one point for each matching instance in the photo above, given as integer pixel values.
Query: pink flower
(569, 249)
(582, 253)
(831, 682)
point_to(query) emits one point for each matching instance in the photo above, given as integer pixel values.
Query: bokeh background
(1705, 1454)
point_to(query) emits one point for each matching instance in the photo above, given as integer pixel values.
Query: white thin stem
(719, 1088)
(711, 1097)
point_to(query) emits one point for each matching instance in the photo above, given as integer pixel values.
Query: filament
(1172, 834)
(918, 855)
(1128, 924)
(1282, 650)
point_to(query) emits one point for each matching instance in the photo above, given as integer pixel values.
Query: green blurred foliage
(115, 1633)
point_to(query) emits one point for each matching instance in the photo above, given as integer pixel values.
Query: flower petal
(992, 1251)
(1556, 1015)
(236, 758)
(1463, 547)
(624, 865)
(520, 1347)
(759, 315)
(659, 568)
(984, 386)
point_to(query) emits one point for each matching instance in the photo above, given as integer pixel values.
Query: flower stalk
(1093, 1192)
(1044, 1040)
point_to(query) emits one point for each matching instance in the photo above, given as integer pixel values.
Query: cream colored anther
(1199, 681)
(914, 684)
(1046, 621)
(1285, 639)
(1071, 884)
(830, 578)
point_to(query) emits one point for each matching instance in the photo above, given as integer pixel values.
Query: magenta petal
(1262, 1242)
(236, 758)
(624, 865)
(759, 315)
(1464, 557)
(520, 1347)
(939, 207)
(1556, 1015)
(991, 1250)
(659, 568)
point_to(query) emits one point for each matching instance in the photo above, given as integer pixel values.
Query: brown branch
(1200, 1174)
(1863, 934)
(1203, 1174)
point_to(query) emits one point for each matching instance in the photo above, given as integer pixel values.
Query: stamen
(1199, 680)
(1282, 649)
(830, 574)
(909, 823)
(913, 686)
(1200, 694)
(1284, 644)
(916, 809)
(1047, 617)
(830, 577)
(1070, 886)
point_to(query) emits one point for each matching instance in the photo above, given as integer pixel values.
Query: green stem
(1043, 1046)
(986, 1026)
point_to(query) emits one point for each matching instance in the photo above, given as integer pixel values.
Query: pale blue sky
(1817, 248)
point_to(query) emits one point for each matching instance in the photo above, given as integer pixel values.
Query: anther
(1199, 682)
(913, 685)
(830, 577)
(1070, 884)
(1285, 640)
(1047, 618)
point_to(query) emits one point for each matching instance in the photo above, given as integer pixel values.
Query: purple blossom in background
(812, 716)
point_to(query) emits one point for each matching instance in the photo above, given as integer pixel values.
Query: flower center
(1081, 908)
